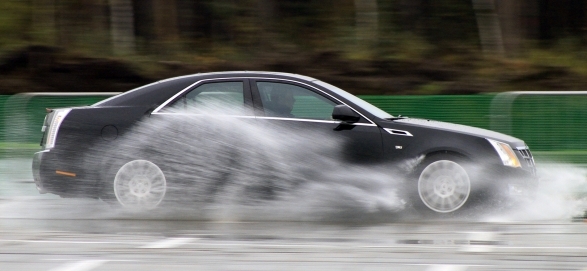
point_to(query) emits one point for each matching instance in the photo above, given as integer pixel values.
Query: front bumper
(507, 182)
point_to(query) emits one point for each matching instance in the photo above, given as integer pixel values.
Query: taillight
(53, 121)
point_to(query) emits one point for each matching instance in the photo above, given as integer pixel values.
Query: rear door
(204, 113)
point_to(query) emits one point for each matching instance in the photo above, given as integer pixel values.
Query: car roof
(158, 92)
(244, 74)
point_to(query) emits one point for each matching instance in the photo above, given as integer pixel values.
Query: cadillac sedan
(452, 166)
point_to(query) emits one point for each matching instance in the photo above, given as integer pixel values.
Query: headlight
(507, 155)
(54, 124)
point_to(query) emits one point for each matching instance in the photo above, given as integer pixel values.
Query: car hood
(463, 129)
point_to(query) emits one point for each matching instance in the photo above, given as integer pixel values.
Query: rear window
(149, 95)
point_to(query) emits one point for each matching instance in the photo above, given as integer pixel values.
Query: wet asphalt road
(60, 245)
(44, 232)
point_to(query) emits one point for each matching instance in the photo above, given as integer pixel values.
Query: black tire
(443, 185)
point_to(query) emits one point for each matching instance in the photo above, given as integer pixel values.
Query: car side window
(290, 101)
(218, 97)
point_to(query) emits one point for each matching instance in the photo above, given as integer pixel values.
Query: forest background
(363, 46)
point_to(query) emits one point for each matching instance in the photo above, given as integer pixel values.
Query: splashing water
(226, 168)
(562, 194)
(223, 167)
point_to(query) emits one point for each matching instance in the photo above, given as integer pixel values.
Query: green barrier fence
(553, 124)
(462, 109)
(21, 117)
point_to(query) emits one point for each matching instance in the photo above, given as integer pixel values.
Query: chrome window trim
(156, 111)
(269, 118)
(317, 121)
(401, 132)
(195, 114)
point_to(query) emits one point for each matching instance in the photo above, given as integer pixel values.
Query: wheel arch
(425, 158)
(436, 153)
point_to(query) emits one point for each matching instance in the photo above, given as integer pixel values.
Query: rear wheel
(139, 184)
(444, 185)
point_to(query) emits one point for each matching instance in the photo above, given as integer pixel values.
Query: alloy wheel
(444, 186)
(140, 184)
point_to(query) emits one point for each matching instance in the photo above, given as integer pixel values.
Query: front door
(304, 113)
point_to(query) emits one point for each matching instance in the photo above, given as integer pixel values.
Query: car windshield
(356, 100)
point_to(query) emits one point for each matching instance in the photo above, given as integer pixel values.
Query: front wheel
(139, 184)
(444, 185)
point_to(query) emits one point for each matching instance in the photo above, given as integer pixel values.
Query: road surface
(45, 232)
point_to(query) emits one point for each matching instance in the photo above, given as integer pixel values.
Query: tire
(443, 185)
(138, 185)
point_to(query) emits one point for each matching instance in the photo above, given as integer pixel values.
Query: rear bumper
(37, 160)
(61, 177)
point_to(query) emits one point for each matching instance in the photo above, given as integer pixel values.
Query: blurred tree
(411, 11)
(489, 27)
(223, 22)
(166, 26)
(441, 22)
(450, 22)
(187, 13)
(530, 19)
(366, 21)
(146, 37)
(561, 19)
(267, 10)
(311, 25)
(122, 27)
(254, 27)
(510, 20)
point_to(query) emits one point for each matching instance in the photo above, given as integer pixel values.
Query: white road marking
(476, 248)
(80, 266)
(65, 242)
(485, 236)
(72, 260)
(482, 236)
(169, 243)
(468, 265)
(444, 267)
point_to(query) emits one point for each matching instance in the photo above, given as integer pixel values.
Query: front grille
(527, 155)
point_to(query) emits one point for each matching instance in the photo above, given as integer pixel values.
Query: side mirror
(345, 113)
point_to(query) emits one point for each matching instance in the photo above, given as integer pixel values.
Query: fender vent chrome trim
(397, 132)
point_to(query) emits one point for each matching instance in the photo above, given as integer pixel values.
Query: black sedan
(138, 148)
